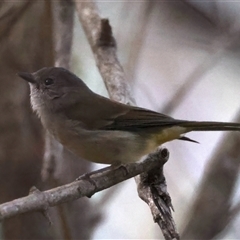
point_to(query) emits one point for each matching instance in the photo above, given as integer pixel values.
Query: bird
(101, 130)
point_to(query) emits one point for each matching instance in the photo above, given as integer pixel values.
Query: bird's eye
(48, 81)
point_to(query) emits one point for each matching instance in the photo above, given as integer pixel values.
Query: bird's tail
(210, 126)
(207, 126)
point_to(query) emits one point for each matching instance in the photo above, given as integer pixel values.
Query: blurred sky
(161, 49)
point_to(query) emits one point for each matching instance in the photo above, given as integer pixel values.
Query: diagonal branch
(103, 44)
(86, 186)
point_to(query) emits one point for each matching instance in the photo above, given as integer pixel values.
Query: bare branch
(152, 189)
(103, 44)
(86, 186)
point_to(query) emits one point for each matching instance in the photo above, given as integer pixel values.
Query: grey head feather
(49, 87)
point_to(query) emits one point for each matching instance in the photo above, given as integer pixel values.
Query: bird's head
(53, 87)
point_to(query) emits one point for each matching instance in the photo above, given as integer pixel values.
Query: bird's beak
(27, 76)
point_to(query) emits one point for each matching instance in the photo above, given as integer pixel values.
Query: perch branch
(86, 186)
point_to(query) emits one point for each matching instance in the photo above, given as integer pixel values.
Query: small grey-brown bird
(101, 130)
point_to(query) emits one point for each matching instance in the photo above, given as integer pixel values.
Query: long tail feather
(210, 126)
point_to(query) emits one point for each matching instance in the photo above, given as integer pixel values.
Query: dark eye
(48, 81)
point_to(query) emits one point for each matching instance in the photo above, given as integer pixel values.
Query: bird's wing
(104, 114)
(136, 119)
(139, 119)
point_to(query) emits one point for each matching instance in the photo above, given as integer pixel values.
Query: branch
(152, 189)
(86, 186)
(103, 44)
